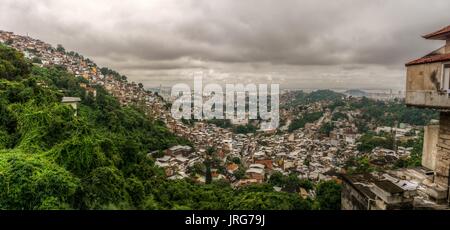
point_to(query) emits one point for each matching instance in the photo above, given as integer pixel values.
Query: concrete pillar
(430, 141)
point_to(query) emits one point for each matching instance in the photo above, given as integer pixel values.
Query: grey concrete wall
(430, 99)
(423, 84)
(424, 77)
(351, 199)
(430, 142)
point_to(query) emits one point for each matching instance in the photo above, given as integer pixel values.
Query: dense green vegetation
(339, 116)
(222, 123)
(301, 122)
(239, 129)
(328, 193)
(51, 159)
(326, 128)
(12, 64)
(302, 98)
(244, 129)
(358, 164)
(369, 141)
(392, 113)
(290, 183)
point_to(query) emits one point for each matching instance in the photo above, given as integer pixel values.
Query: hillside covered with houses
(68, 141)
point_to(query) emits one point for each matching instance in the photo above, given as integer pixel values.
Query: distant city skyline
(298, 44)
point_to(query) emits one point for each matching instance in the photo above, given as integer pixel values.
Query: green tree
(370, 141)
(328, 195)
(60, 48)
(268, 201)
(245, 129)
(208, 175)
(358, 165)
(339, 116)
(13, 65)
(301, 122)
(326, 128)
(276, 179)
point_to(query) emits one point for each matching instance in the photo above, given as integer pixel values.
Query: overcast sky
(299, 44)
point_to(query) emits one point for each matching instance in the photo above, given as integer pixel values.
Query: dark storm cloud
(258, 36)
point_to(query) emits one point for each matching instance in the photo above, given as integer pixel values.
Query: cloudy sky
(298, 44)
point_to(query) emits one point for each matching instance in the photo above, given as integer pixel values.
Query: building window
(446, 78)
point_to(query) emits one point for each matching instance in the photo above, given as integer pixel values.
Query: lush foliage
(369, 141)
(290, 183)
(302, 98)
(244, 129)
(393, 112)
(12, 64)
(328, 195)
(29, 181)
(359, 164)
(301, 122)
(222, 123)
(326, 128)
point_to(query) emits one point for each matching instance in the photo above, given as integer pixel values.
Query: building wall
(256, 176)
(443, 151)
(430, 141)
(423, 77)
(387, 197)
(352, 199)
(267, 163)
(423, 86)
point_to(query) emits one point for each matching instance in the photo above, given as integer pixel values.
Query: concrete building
(427, 187)
(428, 78)
(371, 192)
(179, 150)
(256, 171)
(428, 86)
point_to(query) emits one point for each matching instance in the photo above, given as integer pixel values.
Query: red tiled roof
(440, 34)
(232, 167)
(430, 59)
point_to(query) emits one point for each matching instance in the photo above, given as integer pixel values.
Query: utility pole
(395, 137)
